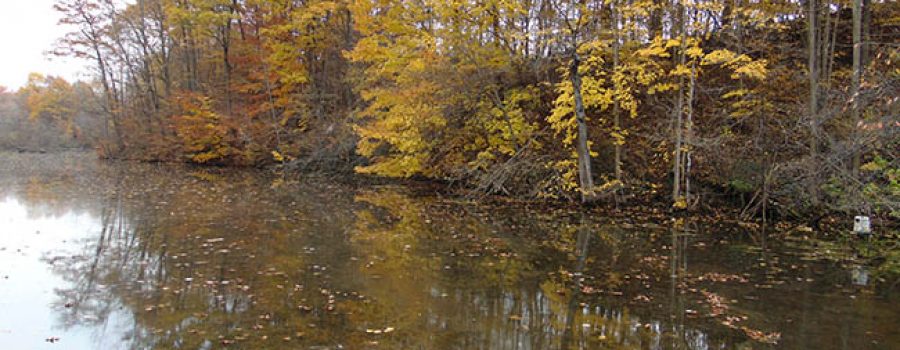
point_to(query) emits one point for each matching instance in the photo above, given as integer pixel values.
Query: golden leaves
(204, 135)
(742, 65)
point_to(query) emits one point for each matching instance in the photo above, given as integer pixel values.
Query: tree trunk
(679, 116)
(813, 102)
(727, 14)
(689, 133)
(226, 62)
(824, 33)
(866, 30)
(654, 25)
(617, 128)
(857, 76)
(111, 109)
(585, 179)
(240, 20)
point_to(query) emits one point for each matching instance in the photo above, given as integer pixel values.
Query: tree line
(48, 114)
(785, 105)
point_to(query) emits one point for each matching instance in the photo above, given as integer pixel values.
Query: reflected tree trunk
(582, 243)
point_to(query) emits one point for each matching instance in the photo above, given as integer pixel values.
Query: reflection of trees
(190, 269)
(581, 324)
(51, 185)
(420, 293)
(630, 294)
(509, 302)
(88, 300)
(581, 252)
(678, 262)
(209, 260)
(195, 259)
(446, 281)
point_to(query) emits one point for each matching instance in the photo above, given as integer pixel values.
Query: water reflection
(183, 258)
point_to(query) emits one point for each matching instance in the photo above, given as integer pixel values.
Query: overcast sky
(27, 29)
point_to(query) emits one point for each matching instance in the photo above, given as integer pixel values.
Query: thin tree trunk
(857, 76)
(866, 30)
(240, 19)
(617, 128)
(111, 108)
(813, 101)
(584, 152)
(825, 40)
(689, 133)
(679, 115)
(226, 46)
(654, 25)
(727, 14)
(829, 54)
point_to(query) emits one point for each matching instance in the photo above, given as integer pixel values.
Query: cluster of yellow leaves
(294, 36)
(401, 114)
(742, 66)
(435, 99)
(504, 125)
(414, 86)
(205, 138)
(403, 105)
(604, 86)
(203, 17)
(594, 91)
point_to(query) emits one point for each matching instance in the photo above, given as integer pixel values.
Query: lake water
(103, 255)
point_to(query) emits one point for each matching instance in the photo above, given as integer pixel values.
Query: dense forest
(780, 106)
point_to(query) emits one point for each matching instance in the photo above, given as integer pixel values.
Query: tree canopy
(786, 102)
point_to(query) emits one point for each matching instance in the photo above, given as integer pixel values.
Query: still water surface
(100, 255)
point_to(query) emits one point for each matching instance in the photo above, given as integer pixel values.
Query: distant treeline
(781, 105)
(48, 115)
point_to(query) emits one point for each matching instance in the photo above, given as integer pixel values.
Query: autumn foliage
(523, 98)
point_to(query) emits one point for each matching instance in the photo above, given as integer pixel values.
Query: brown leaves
(719, 309)
(717, 305)
(721, 277)
(760, 336)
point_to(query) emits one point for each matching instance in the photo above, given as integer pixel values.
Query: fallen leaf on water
(760, 336)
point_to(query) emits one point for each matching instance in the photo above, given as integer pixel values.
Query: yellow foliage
(50, 99)
(277, 156)
(416, 81)
(204, 135)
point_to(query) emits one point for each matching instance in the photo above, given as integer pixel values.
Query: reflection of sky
(27, 284)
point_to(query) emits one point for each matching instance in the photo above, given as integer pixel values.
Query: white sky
(28, 28)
